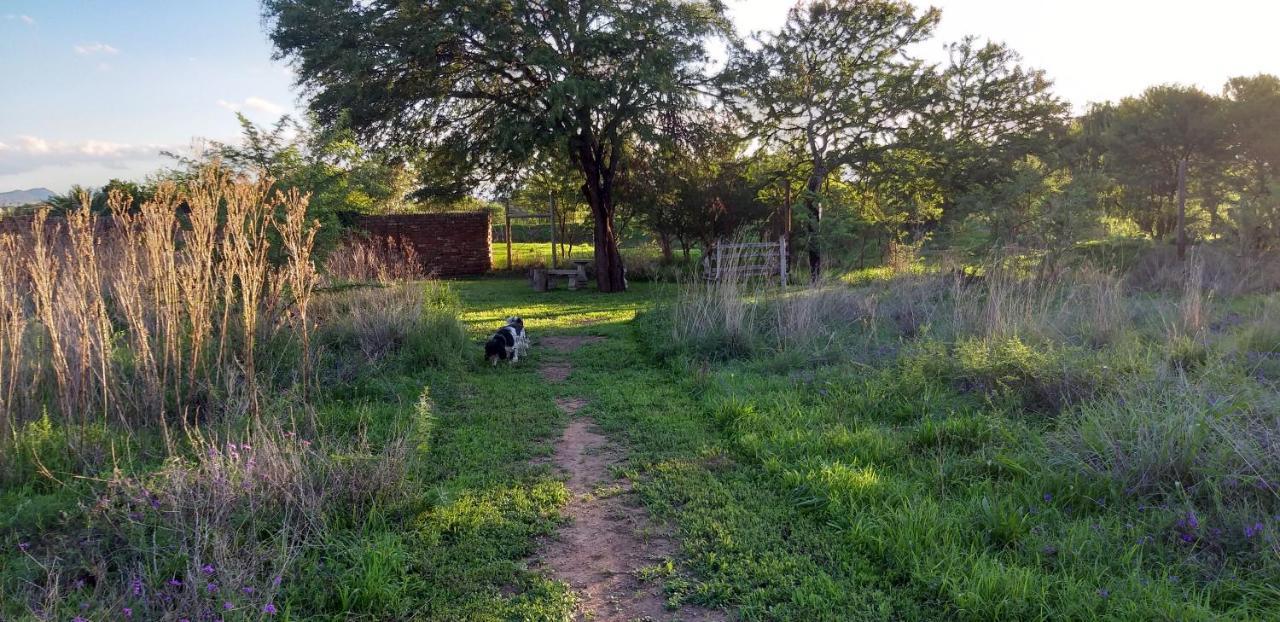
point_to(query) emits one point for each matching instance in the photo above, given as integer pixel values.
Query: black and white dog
(508, 343)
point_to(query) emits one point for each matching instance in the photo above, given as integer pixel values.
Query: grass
(903, 449)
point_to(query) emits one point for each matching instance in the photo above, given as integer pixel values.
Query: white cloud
(32, 144)
(89, 49)
(28, 153)
(262, 105)
(26, 19)
(253, 103)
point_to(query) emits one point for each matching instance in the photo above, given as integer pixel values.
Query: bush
(216, 531)
(417, 324)
(1174, 439)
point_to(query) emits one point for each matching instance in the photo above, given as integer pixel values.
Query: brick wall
(450, 244)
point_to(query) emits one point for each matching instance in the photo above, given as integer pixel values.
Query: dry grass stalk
(130, 291)
(298, 237)
(196, 264)
(382, 260)
(245, 261)
(89, 311)
(13, 324)
(45, 269)
(159, 234)
(159, 281)
(1191, 310)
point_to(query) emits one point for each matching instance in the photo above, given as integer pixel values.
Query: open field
(915, 447)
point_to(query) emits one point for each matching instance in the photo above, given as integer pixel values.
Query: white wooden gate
(746, 260)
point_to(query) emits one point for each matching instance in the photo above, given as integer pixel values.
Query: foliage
(834, 88)
(696, 188)
(340, 175)
(1146, 137)
(487, 86)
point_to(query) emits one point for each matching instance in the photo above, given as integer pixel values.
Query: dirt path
(609, 537)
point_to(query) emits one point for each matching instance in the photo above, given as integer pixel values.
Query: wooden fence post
(506, 215)
(782, 260)
(1182, 209)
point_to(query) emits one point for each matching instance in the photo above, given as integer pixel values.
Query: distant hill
(24, 197)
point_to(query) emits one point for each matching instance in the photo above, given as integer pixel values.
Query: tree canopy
(485, 86)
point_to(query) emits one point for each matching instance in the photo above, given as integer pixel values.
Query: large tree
(991, 115)
(486, 86)
(1253, 114)
(693, 185)
(837, 87)
(1146, 138)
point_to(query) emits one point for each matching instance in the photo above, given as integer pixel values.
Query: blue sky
(94, 89)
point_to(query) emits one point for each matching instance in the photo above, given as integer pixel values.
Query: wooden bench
(574, 278)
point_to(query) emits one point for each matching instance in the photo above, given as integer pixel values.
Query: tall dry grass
(145, 314)
(360, 259)
(732, 317)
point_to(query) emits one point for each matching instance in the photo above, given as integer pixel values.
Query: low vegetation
(1007, 446)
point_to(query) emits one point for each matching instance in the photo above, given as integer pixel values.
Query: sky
(95, 89)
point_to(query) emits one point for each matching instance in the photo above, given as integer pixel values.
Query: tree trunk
(664, 242)
(610, 276)
(813, 225)
(598, 190)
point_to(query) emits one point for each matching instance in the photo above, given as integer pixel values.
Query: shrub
(1174, 438)
(417, 322)
(362, 259)
(216, 531)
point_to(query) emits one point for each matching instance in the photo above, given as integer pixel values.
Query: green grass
(916, 486)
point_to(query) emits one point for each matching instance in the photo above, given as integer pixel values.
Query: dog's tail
(495, 349)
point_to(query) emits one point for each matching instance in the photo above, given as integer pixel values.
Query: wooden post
(506, 216)
(786, 218)
(1182, 209)
(551, 205)
(782, 260)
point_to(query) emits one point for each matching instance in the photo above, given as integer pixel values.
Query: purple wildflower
(23, 546)
(78, 584)
(174, 583)
(269, 609)
(136, 586)
(184, 620)
(207, 569)
(248, 589)
(127, 611)
(1191, 520)
(276, 581)
(1188, 538)
(212, 587)
(1104, 592)
(1252, 530)
(79, 619)
(228, 606)
(1047, 497)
